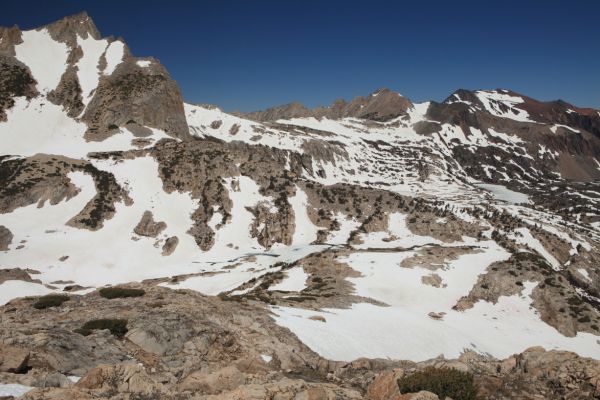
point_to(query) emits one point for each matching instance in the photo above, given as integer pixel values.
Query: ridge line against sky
(249, 56)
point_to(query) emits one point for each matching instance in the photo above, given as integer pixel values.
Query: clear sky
(249, 55)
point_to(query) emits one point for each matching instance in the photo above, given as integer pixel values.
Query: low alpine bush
(50, 300)
(445, 382)
(120, 292)
(118, 327)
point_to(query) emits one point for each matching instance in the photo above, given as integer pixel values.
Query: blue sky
(247, 55)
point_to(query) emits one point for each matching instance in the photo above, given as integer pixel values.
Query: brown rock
(170, 245)
(6, 237)
(125, 378)
(385, 386)
(146, 96)
(422, 395)
(148, 341)
(435, 315)
(16, 274)
(148, 227)
(432, 280)
(235, 128)
(316, 393)
(15, 77)
(227, 378)
(13, 359)
(57, 394)
(68, 91)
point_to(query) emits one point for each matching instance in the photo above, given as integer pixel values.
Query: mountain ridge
(297, 109)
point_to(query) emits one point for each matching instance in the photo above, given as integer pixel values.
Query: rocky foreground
(179, 344)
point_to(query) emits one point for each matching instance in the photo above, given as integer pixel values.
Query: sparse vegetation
(50, 300)
(445, 382)
(118, 327)
(120, 292)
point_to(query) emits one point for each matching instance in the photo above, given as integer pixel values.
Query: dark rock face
(6, 237)
(10, 37)
(44, 178)
(67, 29)
(199, 167)
(68, 93)
(148, 227)
(453, 113)
(576, 148)
(18, 274)
(133, 94)
(562, 113)
(15, 81)
(170, 245)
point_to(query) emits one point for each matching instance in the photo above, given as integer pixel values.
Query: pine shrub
(120, 292)
(50, 300)
(445, 382)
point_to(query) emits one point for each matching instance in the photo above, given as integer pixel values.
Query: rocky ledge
(148, 342)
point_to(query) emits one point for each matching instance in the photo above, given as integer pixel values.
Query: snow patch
(501, 192)
(555, 127)
(305, 231)
(38, 126)
(295, 281)
(12, 289)
(88, 72)
(114, 56)
(492, 101)
(45, 57)
(524, 236)
(14, 389)
(585, 274)
(404, 329)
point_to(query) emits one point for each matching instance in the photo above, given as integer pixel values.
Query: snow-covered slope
(438, 226)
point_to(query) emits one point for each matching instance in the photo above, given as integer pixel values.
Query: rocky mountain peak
(93, 79)
(381, 105)
(385, 92)
(285, 111)
(67, 28)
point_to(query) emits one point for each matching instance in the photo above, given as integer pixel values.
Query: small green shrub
(119, 292)
(50, 300)
(117, 327)
(445, 382)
